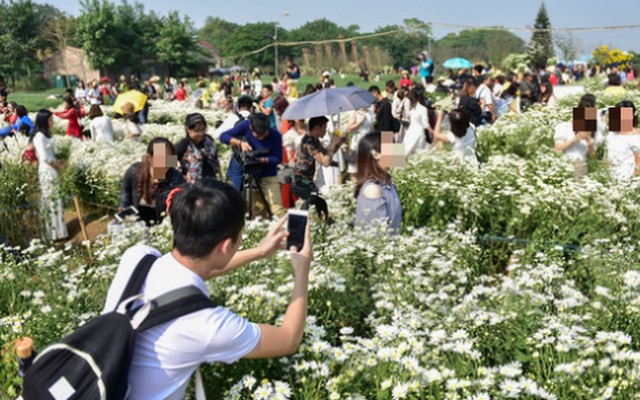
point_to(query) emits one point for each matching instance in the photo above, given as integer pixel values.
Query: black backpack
(93, 362)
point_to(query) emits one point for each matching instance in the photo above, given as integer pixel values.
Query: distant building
(70, 61)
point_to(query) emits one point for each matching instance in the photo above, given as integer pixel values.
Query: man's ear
(226, 246)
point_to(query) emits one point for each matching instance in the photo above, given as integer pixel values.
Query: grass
(37, 100)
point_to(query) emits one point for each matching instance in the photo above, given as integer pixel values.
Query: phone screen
(296, 227)
(127, 212)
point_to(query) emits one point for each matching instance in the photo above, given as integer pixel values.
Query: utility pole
(275, 38)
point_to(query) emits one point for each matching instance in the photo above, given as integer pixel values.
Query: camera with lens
(249, 161)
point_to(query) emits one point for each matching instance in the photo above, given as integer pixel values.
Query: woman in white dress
(623, 147)
(360, 122)
(415, 138)
(48, 168)
(462, 136)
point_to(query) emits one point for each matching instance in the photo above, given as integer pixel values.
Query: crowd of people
(283, 161)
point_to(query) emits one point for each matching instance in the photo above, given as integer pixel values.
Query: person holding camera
(310, 151)
(207, 220)
(258, 144)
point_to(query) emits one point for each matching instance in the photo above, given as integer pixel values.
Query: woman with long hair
(71, 113)
(377, 196)
(48, 171)
(146, 184)
(100, 125)
(197, 152)
(547, 97)
(415, 138)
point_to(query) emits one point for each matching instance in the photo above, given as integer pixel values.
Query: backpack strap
(175, 304)
(138, 277)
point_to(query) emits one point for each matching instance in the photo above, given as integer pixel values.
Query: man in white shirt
(245, 104)
(207, 221)
(485, 95)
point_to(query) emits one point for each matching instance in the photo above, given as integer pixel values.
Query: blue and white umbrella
(327, 102)
(457, 63)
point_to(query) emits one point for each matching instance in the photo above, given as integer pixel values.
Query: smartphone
(127, 212)
(297, 224)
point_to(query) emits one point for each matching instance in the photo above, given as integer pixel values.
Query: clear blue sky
(369, 14)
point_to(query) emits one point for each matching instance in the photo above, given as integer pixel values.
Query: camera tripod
(250, 182)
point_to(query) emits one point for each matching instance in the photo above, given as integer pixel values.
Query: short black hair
(245, 102)
(478, 68)
(193, 120)
(21, 111)
(614, 80)
(459, 121)
(205, 214)
(268, 86)
(259, 123)
(374, 89)
(316, 121)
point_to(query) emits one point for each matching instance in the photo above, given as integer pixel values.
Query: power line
(531, 29)
(442, 24)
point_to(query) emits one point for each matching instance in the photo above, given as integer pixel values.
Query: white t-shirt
(229, 123)
(484, 93)
(165, 356)
(464, 147)
(620, 153)
(101, 129)
(577, 151)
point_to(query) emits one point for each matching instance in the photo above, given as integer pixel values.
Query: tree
(489, 46)
(607, 57)
(247, 38)
(177, 42)
(215, 31)
(568, 45)
(540, 48)
(59, 32)
(19, 40)
(404, 46)
(97, 32)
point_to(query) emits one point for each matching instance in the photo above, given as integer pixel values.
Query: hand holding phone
(297, 223)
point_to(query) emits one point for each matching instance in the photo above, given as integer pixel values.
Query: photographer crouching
(257, 154)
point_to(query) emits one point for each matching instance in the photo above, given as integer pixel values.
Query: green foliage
(19, 40)
(177, 40)
(404, 46)
(540, 48)
(489, 46)
(97, 32)
(215, 31)
(249, 37)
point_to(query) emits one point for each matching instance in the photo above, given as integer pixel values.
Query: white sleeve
(635, 144)
(92, 128)
(234, 339)
(425, 118)
(560, 135)
(228, 123)
(41, 148)
(452, 138)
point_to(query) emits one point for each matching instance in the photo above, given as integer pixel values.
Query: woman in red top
(405, 81)
(70, 113)
(181, 93)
